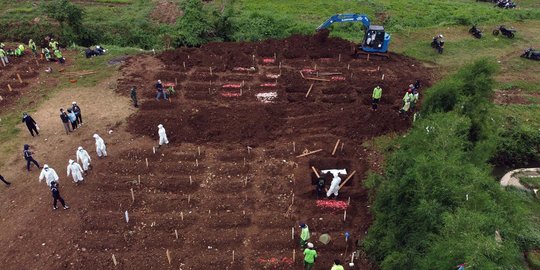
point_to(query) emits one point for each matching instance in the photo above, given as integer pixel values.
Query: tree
(65, 13)
(193, 28)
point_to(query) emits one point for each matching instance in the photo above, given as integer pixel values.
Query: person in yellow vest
(20, 50)
(304, 235)
(45, 51)
(32, 46)
(53, 44)
(377, 94)
(310, 255)
(407, 98)
(337, 265)
(59, 56)
(3, 57)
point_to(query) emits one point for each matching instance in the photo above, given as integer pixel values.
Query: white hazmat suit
(162, 135)
(101, 149)
(84, 157)
(76, 171)
(49, 174)
(334, 186)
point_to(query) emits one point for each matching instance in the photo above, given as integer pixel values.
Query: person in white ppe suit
(49, 174)
(84, 157)
(162, 135)
(76, 171)
(334, 186)
(101, 148)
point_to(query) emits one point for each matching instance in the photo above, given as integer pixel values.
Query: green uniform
(58, 54)
(377, 92)
(304, 236)
(47, 53)
(3, 57)
(53, 44)
(2, 53)
(32, 46)
(337, 267)
(309, 258)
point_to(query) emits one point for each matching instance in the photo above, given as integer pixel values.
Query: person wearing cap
(304, 235)
(76, 171)
(30, 124)
(101, 148)
(49, 174)
(28, 157)
(77, 110)
(133, 95)
(162, 135)
(160, 91)
(310, 255)
(84, 157)
(4, 180)
(377, 94)
(337, 265)
(56, 196)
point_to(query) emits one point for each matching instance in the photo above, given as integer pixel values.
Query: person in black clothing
(160, 91)
(134, 96)
(65, 121)
(28, 156)
(56, 196)
(77, 110)
(417, 85)
(4, 180)
(320, 187)
(30, 124)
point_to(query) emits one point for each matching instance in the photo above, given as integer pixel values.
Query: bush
(194, 28)
(517, 147)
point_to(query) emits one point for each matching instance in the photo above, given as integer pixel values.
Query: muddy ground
(228, 190)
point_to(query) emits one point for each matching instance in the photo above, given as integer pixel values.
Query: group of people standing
(72, 119)
(410, 99)
(310, 253)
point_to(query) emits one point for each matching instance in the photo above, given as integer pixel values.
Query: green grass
(533, 182)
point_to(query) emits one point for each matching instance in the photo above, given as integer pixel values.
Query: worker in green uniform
(53, 44)
(304, 235)
(19, 51)
(377, 94)
(310, 255)
(32, 46)
(59, 56)
(337, 265)
(3, 57)
(45, 51)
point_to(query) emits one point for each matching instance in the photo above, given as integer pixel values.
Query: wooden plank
(335, 147)
(347, 179)
(309, 153)
(316, 172)
(309, 91)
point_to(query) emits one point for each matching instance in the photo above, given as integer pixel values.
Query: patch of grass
(533, 259)
(115, 1)
(526, 115)
(533, 182)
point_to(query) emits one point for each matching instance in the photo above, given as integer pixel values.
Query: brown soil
(515, 96)
(228, 179)
(166, 11)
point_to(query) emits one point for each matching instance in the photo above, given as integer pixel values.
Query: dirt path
(32, 232)
(511, 178)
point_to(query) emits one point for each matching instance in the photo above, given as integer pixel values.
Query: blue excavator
(376, 40)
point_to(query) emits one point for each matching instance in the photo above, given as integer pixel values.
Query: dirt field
(230, 184)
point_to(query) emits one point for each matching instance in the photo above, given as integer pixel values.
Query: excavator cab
(375, 39)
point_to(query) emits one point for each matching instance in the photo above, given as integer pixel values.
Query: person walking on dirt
(72, 119)
(3, 57)
(334, 186)
(414, 99)
(134, 96)
(4, 180)
(65, 121)
(30, 124)
(162, 135)
(49, 174)
(77, 110)
(310, 255)
(304, 235)
(160, 91)
(337, 265)
(56, 196)
(28, 157)
(76, 171)
(84, 157)
(101, 148)
(377, 94)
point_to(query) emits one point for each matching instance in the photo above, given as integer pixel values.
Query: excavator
(376, 40)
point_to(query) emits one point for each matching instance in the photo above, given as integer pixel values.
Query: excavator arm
(339, 18)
